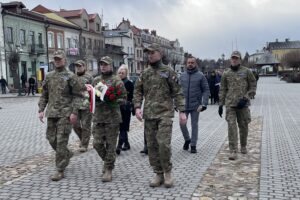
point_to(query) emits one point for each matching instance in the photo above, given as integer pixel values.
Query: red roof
(70, 13)
(92, 16)
(135, 30)
(42, 9)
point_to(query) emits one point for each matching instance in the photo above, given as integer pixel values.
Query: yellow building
(279, 49)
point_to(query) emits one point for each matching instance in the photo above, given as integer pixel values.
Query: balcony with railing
(36, 49)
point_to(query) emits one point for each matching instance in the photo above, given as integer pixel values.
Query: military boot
(157, 180)
(232, 155)
(107, 176)
(243, 150)
(57, 176)
(168, 180)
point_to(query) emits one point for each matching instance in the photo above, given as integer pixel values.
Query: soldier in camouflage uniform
(158, 84)
(238, 85)
(107, 119)
(83, 126)
(62, 94)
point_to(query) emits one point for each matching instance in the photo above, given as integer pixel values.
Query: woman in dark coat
(126, 110)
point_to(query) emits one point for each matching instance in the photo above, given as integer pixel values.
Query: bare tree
(292, 60)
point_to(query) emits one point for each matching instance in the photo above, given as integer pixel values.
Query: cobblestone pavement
(234, 180)
(23, 141)
(278, 102)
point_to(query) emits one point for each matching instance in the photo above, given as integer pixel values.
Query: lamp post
(19, 50)
(223, 56)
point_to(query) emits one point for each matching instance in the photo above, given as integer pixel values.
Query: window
(22, 36)
(9, 35)
(85, 23)
(69, 43)
(59, 41)
(96, 44)
(51, 40)
(89, 43)
(40, 38)
(83, 42)
(98, 26)
(33, 66)
(75, 43)
(31, 37)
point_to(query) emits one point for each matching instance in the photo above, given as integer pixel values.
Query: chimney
(287, 39)
(153, 32)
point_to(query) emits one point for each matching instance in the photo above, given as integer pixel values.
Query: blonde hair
(123, 67)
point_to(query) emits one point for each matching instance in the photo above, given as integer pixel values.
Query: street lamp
(223, 56)
(19, 50)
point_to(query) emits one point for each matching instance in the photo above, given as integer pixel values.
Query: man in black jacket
(3, 85)
(196, 91)
(31, 82)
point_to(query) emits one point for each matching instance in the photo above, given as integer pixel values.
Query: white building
(122, 38)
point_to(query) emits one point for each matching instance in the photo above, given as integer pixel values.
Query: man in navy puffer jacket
(196, 91)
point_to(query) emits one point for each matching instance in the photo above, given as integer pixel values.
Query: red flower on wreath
(119, 92)
(112, 97)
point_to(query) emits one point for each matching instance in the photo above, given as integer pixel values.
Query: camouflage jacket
(236, 85)
(104, 113)
(159, 86)
(62, 94)
(86, 78)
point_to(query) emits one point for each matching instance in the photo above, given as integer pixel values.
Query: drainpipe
(47, 52)
(3, 14)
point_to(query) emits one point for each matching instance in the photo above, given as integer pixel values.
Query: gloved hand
(201, 108)
(242, 103)
(220, 111)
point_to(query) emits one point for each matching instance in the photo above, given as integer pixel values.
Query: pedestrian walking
(126, 110)
(214, 86)
(23, 80)
(62, 95)
(3, 85)
(238, 86)
(158, 85)
(31, 82)
(196, 92)
(84, 118)
(107, 116)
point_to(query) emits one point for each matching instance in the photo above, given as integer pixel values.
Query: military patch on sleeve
(164, 74)
(242, 74)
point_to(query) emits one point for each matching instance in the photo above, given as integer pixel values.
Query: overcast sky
(205, 28)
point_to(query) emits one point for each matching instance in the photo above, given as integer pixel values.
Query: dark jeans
(3, 89)
(31, 87)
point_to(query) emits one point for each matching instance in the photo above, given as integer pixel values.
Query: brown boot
(233, 155)
(157, 180)
(57, 176)
(107, 176)
(168, 180)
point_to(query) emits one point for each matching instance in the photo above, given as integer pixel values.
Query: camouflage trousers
(105, 140)
(83, 127)
(159, 133)
(241, 117)
(58, 131)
